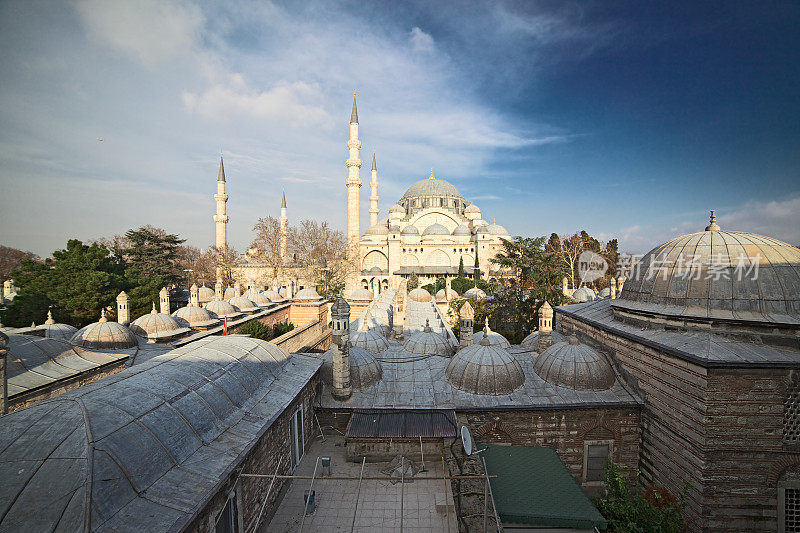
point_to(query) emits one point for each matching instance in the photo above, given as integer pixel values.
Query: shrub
(431, 288)
(281, 328)
(255, 329)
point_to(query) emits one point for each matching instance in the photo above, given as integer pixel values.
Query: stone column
(163, 300)
(340, 321)
(123, 311)
(545, 327)
(467, 317)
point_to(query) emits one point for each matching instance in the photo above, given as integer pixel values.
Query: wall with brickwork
(308, 312)
(718, 428)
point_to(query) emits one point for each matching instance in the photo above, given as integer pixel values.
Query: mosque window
(595, 455)
(791, 414)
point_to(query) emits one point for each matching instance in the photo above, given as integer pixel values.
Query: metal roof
(146, 448)
(403, 423)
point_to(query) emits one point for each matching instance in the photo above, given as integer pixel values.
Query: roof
(554, 499)
(146, 448)
(402, 423)
(221, 174)
(432, 187)
(354, 112)
(700, 347)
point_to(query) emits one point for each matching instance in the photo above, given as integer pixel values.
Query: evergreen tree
(477, 272)
(461, 267)
(413, 281)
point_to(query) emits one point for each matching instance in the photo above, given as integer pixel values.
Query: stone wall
(719, 429)
(271, 450)
(384, 450)
(306, 337)
(300, 313)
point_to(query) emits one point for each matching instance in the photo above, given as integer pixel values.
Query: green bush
(630, 509)
(431, 288)
(255, 329)
(281, 328)
(413, 282)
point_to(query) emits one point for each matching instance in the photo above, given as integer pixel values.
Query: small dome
(446, 295)
(229, 293)
(532, 341)
(251, 293)
(377, 229)
(222, 309)
(584, 294)
(369, 339)
(420, 295)
(436, 229)
(394, 229)
(194, 317)
(475, 294)
(157, 326)
(308, 294)
(365, 371)
(272, 295)
(244, 305)
(472, 208)
(360, 294)
(428, 342)
(462, 231)
(574, 365)
(432, 187)
(261, 299)
(485, 369)
(482, 230)
(397, 208)
(605, 293)
(204, 294)
(104, 335)
(53, 330)
(497, 229)
(410, 230)
(495, 339)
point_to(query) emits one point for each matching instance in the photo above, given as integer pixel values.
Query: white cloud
(421, 41)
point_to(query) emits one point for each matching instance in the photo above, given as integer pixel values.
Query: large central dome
(432, 187)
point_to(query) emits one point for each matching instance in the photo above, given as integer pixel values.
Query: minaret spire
(353, 184)
(373, 193)
(220, 218)
(283, 221)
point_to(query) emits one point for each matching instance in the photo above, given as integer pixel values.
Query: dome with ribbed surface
(378, 229)
(55, 330)
(205, 294)
(495, 339)
(157, 326)
(428, 342)
(261, 299)
(229, 293)
(420, 295)
(194, 317)
(369, 339)
(436, 229)
(497, 229)
(532, 341)
(462, 231)
(717, 275)
(475, 294)
(482, 229)
(222, 309)
(574, 365)
(360, 294)
(272, 295)
(365, 370)
(432, 187)
(472, 208)
(485, 369)
(584, 294)
(308, 294)
(244, 305)
(104, 335)
(446, 295)
(397, 208)
(410, 230)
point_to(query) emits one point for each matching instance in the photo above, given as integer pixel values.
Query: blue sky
(627, 119)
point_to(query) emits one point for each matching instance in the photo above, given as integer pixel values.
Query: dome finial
(49, 318)
(713, 226)
(154, 309)
(431, 178)
(103, 315)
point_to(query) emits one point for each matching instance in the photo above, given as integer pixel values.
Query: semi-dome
(446, 295)
(222, 309)
(575, 365)
(205, 294)
(475, 294)
(428, 342)
(472, 208)
(436, 229)
(307, 294)
(104, 335)
(584, 294)
(462, 231)
(432, 187)
(410, 230)
(740, 278)
(532, 341)
(419, 295)
(365, 371)
(397, 208)
(485, 369)
(377, 229)
(495, 339)
(497, 229)
(482, 230)
(361, 294)
(157, 326)
(192, 316)
(272, 295)
(369, 339)
(245, 305)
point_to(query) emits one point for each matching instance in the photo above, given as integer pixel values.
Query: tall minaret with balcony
(284, 220)
(353, 183)
(221, 219)
(373, 193)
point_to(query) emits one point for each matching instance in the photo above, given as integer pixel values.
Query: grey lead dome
(432, 187)
(485, 369)
(577, 366)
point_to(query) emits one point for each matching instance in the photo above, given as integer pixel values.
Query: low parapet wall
(311, 336)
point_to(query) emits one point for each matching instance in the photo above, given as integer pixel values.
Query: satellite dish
(466, 440)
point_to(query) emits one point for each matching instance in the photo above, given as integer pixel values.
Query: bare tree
(204, 267)
(320, 252)
(267, 242)
(11, 258)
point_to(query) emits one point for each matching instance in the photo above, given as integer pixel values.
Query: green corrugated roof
(534, 487)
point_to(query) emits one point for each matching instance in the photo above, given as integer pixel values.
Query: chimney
(194, 296)
(612, 288)
(467, 317)
(237, 289)
(163, 299)
(545, 327)
(340, 321)
(218, 290)
(123, 311)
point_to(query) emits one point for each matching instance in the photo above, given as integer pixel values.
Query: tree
(204, 269)
(567, 249)
(413, 281)
(77, 282)
(267, 241)
(11, 259)
(476, 275)
(461, 267)
(320, 252)
(536, 278)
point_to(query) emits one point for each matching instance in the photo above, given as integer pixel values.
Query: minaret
(373, 193)
(353, 183)
(221, 219)
(284, 230)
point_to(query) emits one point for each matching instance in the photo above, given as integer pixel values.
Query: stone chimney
(620, 284)
(123, 311)
(467, 317)
(163, 300)
(194, 296)
(340, 321)
(565, 286)
(8, 288)
(545, 327)
(612, 288)
(218, 290)
(3, 374)
(237, 289)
